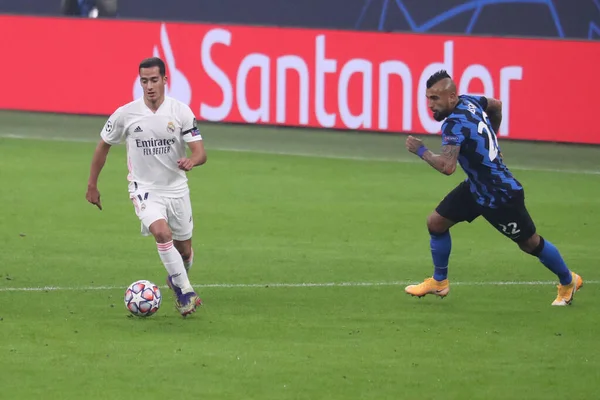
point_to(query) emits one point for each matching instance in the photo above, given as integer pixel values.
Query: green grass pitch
(304, 241)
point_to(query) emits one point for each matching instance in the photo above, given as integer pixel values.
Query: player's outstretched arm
(494, 112)
(98, 161)
(445, 162)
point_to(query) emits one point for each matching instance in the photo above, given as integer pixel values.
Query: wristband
(422, 151)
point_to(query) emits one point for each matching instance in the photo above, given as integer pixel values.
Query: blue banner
(579, 19)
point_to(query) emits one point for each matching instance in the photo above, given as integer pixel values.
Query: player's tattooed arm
(445, 162)
(494, 112)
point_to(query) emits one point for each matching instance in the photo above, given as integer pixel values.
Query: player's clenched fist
(185, 164)
(413, 144)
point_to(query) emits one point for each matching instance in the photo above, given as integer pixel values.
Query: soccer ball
(142, 298)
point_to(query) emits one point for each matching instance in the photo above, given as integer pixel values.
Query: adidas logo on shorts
(138, 129)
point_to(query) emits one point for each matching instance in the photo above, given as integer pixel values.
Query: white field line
(284, 285)
(298, 154)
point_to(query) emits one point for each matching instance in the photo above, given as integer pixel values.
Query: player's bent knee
(163, 236)
(531, 245)
(438, 224)
(161, 232)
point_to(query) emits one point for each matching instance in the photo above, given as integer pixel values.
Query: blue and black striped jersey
(469, 127)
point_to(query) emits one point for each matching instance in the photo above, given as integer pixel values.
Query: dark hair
(154, 62)
(438, 76)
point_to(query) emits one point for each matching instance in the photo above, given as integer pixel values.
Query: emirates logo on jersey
(178, 85)
(154, 147)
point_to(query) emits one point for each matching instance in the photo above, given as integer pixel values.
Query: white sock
(173, 262)
(188, 264)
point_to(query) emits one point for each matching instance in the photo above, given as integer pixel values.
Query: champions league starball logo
(547, 18)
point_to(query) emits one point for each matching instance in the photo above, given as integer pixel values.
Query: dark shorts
(511, 219)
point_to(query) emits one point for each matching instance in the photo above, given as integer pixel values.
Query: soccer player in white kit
(156, 129)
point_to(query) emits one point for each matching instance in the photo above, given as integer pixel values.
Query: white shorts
(177, 211)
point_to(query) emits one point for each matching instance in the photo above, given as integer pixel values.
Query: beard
(439, 116)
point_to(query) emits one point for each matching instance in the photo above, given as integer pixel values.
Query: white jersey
(155, 141)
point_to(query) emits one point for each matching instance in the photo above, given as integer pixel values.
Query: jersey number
(492, 140)
(510, 229)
